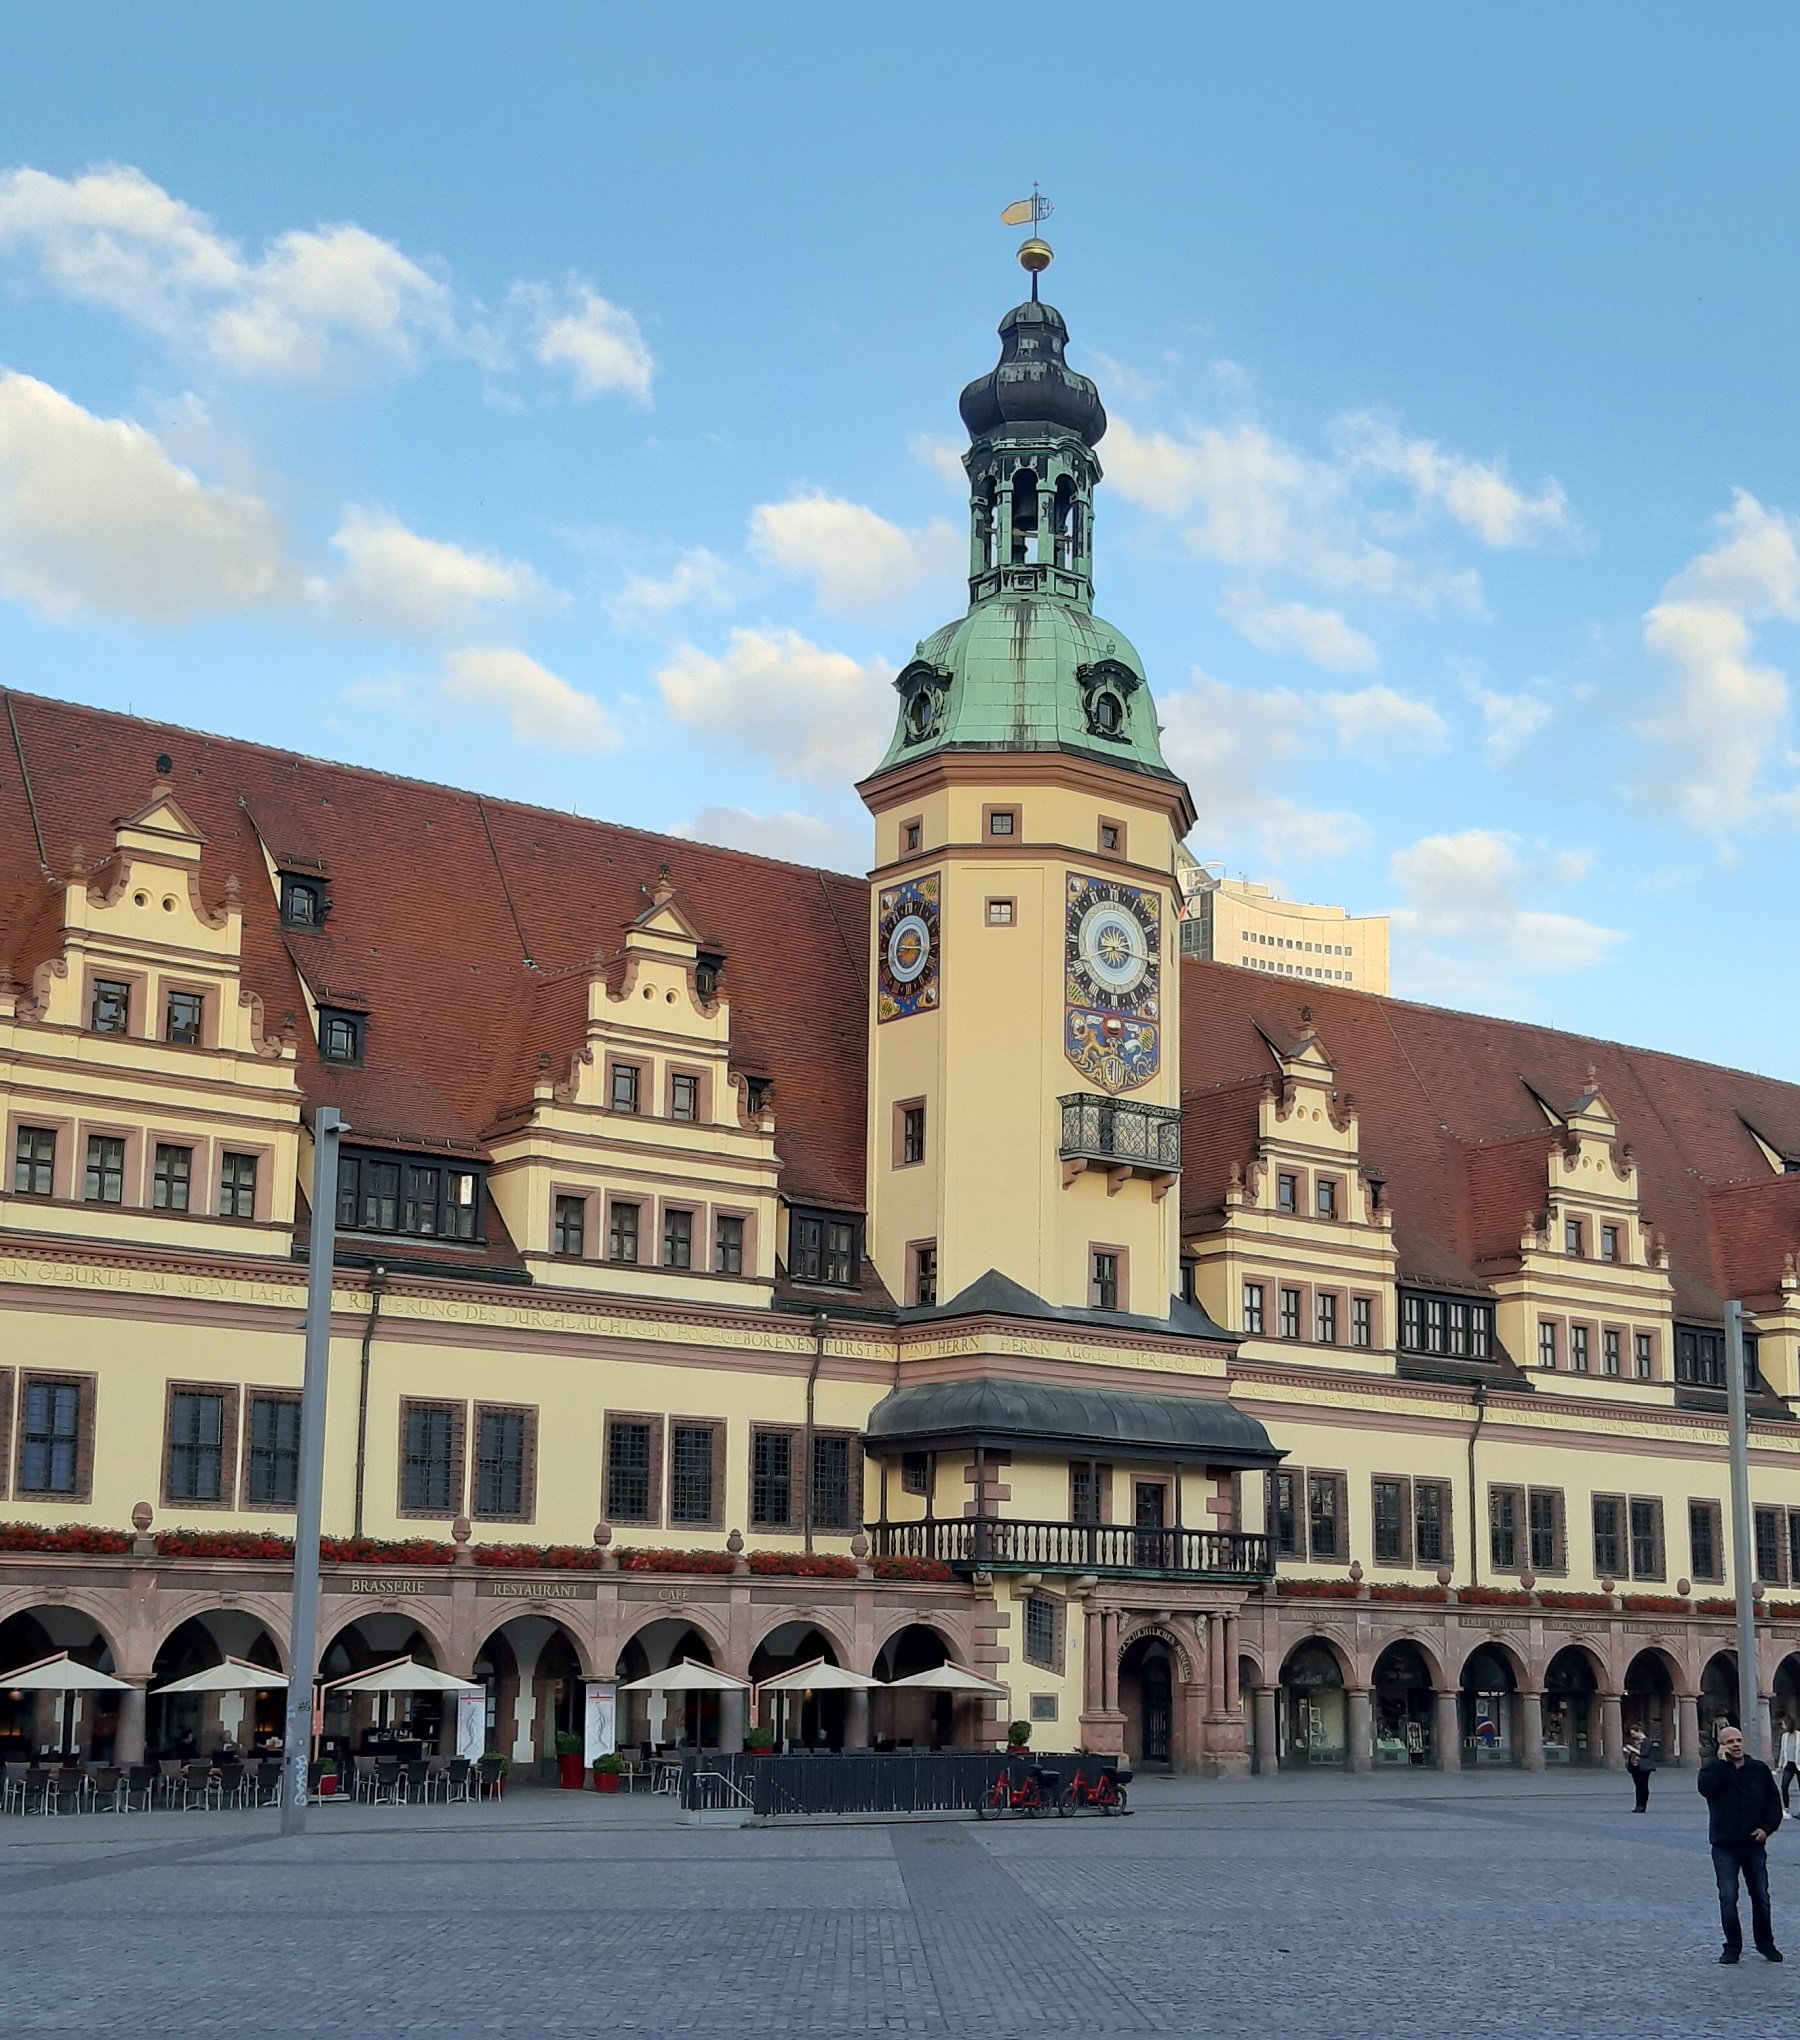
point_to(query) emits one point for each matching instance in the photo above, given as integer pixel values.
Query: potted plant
(568, 1760)
(607, 1770)
(758, 1742)
(1018, 1738)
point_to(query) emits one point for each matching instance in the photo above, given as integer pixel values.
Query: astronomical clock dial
(908, 949)
(1112, 955)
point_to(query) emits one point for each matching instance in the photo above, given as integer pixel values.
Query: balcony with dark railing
(1121, 1137)
(999, 1544)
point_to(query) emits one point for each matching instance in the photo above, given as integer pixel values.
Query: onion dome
(1032, 388)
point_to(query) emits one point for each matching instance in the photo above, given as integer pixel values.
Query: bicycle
(1035, 1794)
(1105, 1790)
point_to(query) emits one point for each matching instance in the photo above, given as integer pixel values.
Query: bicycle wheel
(1117, 1805)
(1066, 1804)
(993, 1806)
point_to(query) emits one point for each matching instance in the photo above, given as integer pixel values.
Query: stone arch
(357, 1641)
(1785, 1693)
(1654, 1685)
(1429, 1653)
(950, 1632)
(551, 1663)
(649, 1718)
(1490, 1705)
(708, 1624)
(433, 1624)
(1572, 1682)
(100, 1610)
(1719, 1696)
(1312, 1710)
(269, 1610)
(831, 1626)
(1182, 1648)
(195, 1724)
(1405, 1676)
(34, 1627)
(916, 1720)
(552, 1612)
(1503, 1649)
(820, 1721)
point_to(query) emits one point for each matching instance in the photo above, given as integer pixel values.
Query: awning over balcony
(1102, 1421)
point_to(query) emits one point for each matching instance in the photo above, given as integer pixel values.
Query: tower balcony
(1122, 1138)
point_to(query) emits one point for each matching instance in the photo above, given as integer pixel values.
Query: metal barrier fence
(900, 1781)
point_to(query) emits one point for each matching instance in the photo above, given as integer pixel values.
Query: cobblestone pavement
(1409, 1906)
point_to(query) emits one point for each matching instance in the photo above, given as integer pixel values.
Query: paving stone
(1410, 1907)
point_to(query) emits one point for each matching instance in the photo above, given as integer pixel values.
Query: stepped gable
(1449, 1116)
(438, 898)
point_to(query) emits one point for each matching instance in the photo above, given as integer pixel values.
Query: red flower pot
(570, 1770)
(606, 1781)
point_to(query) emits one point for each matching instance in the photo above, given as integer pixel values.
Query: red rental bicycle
(1105, 1790)
(1035, 1793)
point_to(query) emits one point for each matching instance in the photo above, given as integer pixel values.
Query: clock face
(908, 949)
(1112, 973)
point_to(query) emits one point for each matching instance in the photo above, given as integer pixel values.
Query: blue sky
(561, 401)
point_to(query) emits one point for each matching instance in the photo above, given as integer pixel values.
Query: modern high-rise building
(1236, 921)
(758, 1265)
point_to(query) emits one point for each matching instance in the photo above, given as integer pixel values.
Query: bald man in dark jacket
(1744, 1810)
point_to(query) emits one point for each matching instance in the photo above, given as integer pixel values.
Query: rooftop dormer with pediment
(144, 1101)
(649, 1165)
(1298, 1256)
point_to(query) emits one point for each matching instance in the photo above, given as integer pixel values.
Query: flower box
(71, 1537)
(803, 1565)
(650, 1559)
(931, 1569)
(537, 1557)
(385, 1551)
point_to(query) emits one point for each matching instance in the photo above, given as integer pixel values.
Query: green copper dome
(1028, 673)
(1030, 667)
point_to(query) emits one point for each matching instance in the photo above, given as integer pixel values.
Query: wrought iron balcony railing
(1119, 1133)
(1000, 1544)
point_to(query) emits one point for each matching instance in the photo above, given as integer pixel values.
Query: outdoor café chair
(229, 1784)
(436, 1782)
(197, 1785)
(106, 1786)
(170, 1779)
(459, 1776)
(388, 1780)
(415, 1780)
(493, 1778)
(64, 1791)
(265, 1784)
(138, 1791)
(365, 1777)
(15, 1788)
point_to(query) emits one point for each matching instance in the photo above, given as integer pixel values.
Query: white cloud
(1471, 492)
(943, 457)
(699, 579)
(793, 837)
(855, 559)
(1380, 723)
(1724, 719)
(1512, 719)
(95, 516)
(600, 343)
(313, 299)
(395, 580)
(1320, 636)
(1466, 925)
(1232, 745)
(1254, 503)
(813, 713)
(540, 708)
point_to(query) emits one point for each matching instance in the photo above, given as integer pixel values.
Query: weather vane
(1034, 254)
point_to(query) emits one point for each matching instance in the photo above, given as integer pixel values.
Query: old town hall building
(756, 1264)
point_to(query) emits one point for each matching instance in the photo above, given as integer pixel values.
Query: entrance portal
(1403, 1706)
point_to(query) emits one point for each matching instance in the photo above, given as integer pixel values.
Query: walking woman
(1787, 1761)
(1640, 1761)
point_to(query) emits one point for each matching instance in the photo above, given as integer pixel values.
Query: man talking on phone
(1744, 1808)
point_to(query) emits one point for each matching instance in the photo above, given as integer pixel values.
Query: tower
(1024, 1050)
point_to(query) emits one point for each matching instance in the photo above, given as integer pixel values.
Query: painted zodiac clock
(1112, 969)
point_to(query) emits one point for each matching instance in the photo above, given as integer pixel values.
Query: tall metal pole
(303, 1647)
(1743, 1549)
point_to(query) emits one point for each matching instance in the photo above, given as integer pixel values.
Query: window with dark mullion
(678, 1239)
(828, 1492)
(105, 1179)
(185, 1019)
(1503, 1528)
(1704, 1542)
(1390, 1521)
(691, 1473)
(1285, 1530)
(1431, 1520)
(237, 1186)
(1544, 1510)
(430, 1439)
(1769, 1540)
(47, 1465)
(1646, 1539)
(111, 1010)
(196, 1447)
(274, 1471)
(570, 1236)
(500, 1463)
(772, 1480)
(171, 1178)
(728, 1246)
(628, 1471)
(1609, 1537)
(34, 1161)
(1324, 1508)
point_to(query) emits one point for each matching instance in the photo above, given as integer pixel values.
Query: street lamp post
(1743, 1549)
(303, 1648)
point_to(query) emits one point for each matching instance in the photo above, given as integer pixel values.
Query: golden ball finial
(1035, 255)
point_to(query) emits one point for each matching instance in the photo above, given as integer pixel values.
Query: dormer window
(707, 971)
(824, 1248)
(303, 902)
(341, 1036)
(401, 1194)
(684, 1096)
(187, 1010)
(111, 1010)
(756, 1096)
(624, 1090)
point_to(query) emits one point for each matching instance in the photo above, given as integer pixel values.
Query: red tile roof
(467, 927)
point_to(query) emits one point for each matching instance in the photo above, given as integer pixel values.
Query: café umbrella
(818, 1677)
(687, 1677)
(235, 1675)
(403, 1675)
(61, 1674)
(945, 1679)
